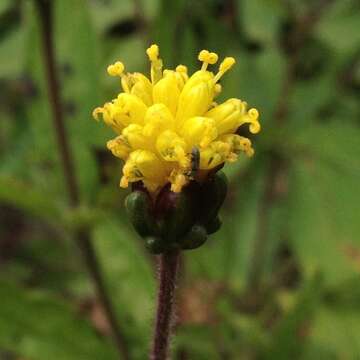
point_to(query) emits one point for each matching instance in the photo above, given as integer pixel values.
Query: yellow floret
(162, 119)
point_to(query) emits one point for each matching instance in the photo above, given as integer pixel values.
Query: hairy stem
(169, 263)
(82, 238)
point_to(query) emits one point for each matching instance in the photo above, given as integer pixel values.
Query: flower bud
(194, 100)
(196, 237)
(199, 131)
(213, 226)
(141, 88)
(131, 106)
(139, 208)
(227, 115)
(166, 92)
(155, 245)
(213, 193)
(176, 213)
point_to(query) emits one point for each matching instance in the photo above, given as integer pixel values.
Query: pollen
(159, 120)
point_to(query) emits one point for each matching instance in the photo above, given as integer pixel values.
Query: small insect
(195, 161)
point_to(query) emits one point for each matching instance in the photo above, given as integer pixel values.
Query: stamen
(178, 181)
(226, 65)
(116, 69)
(156, 63)
(207, 58)
(153, 52)
(125, 83)
(217, 89)
(124, 182)
(96, 112)
(255, 126)
(181, 69)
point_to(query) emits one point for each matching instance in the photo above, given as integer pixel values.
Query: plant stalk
(169, 263)
(82, 238)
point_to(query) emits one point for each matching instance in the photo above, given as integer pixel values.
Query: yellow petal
(142, 88)
(252, 118)
(110, 117)
(172, 148)
(199, 131)
(157, 119)
(133, 135)
(227, 115)
(215, 154)
(166, 92)
(130, 106)
(119, 147)
(178, 180)
(144, 165)
(237, 144)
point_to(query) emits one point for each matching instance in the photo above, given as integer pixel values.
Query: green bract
(178, 220)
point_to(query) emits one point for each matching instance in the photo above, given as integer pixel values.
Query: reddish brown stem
(169, 263)
(83, 240)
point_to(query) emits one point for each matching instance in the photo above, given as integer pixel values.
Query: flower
(169, 127)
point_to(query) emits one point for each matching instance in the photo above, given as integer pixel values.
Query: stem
(168, 269)
(45, 12)
(94, 269)
(82, 238)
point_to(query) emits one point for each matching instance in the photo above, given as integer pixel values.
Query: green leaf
(39, 327)
(78, 65)
(345, 296)
(202, 342)
(338, 332)
(106, 14)
(261, 19)
(42, 156)
(333, 144)
(77, 71)
(131, 280)
(324, 201)
(339, 27)
(29, 199)
(12, 50)
(287, 341)
(4, 5)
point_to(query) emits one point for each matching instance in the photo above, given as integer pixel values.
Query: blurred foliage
(281, 278)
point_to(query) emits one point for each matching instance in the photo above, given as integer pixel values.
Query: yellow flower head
(163, 121)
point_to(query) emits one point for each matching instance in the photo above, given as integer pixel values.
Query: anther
(153, 52)
(116, 69)
(226, 65)
(255, 126)
(181, 68)
(207, 58)
(217, 89)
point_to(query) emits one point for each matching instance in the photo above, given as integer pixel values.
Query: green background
(280, 280)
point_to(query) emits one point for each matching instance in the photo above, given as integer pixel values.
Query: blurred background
(281, 278)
